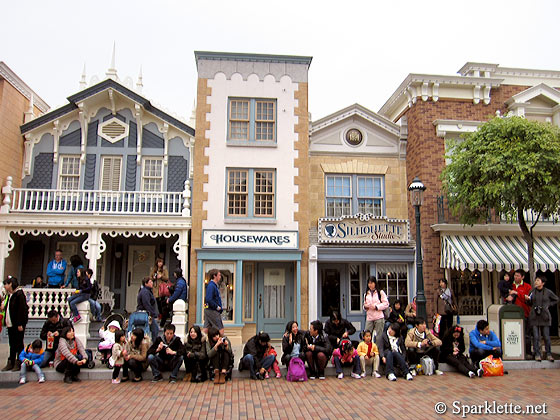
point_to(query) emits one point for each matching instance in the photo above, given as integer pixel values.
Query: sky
(362, 50)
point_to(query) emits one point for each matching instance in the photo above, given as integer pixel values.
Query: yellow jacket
(363, 347)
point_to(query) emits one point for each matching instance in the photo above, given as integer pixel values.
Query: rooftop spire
(30, 114)
(112, 71)
(83, 83)
(139, 84)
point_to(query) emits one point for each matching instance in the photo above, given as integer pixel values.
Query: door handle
(260, 301)
(129, 275)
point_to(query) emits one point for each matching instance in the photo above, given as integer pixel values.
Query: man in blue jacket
(483, 343)
(147, 302)
(213, 303)
(55, 271)
(181, 290)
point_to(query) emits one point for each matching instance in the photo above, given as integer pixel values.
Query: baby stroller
(104, 349)
(139, 319)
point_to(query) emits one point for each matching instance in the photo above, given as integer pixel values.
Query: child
(108, 337)
(38, 282)
(369, 354)
(32, 357)
(346, 355)
(117, 357)
(271, 352)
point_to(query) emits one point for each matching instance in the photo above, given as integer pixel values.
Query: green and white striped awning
(498, 252)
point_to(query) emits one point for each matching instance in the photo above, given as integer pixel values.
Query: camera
(538, 310)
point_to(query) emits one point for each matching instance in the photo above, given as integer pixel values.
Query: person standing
(55, 271)
(160, 275)
(147, 302)
(15, 320)
(375, 302)
(540, 300)
(504, 286)
(520, 289)
(180, 292)
(213, 303)
(444, 307)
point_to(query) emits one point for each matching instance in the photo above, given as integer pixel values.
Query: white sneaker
(356, 376)
(413, 372)
(438, 372)
(480, 373)
(312, 378)
(409, 377)
(376, 374)
(340, 375)
(22, 381)
(392, 377)
(41, 379)
(363, 375)
(472, 374)
(321, 378)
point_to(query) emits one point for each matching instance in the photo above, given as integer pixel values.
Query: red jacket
(524, 289)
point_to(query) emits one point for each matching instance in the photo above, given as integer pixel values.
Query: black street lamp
(416, 198)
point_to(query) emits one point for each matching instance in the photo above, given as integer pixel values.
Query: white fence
(41, 301)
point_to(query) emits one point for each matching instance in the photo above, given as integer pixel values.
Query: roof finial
(139, 84)
(30, 114)
(112, 71)
(83, 83)
(192, 120)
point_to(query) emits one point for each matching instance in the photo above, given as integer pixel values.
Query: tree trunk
(528, 236)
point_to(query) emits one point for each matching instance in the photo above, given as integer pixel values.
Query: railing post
(179, 318)
(81, 328)
(187, 199)
(7, 191)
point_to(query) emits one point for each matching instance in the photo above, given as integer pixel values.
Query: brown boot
(222, 377)
(216, 376)
(9, 366)
(17, 366)
(187, 377)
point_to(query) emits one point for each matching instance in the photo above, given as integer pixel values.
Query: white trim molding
(7, 74)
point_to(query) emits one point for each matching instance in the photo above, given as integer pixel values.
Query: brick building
(439, 107)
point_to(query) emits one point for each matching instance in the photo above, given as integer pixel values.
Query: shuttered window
(111, 173)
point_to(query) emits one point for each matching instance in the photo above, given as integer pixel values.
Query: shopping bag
(492, 366)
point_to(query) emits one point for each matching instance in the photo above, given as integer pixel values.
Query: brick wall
(425, 159)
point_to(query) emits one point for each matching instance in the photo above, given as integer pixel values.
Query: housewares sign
(363, 229)
(250, 239)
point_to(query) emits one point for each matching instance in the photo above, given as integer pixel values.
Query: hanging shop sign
(363, 229)
(250, 239)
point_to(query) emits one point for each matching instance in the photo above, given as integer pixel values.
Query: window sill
(248, 221)
(251, 143)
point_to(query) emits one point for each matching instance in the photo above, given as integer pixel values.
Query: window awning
(498, 252)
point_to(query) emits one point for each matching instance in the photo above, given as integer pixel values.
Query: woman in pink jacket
(375, 302)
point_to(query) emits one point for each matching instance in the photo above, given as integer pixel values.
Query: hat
(114, 324)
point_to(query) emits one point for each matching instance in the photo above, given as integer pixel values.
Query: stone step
(103, 373)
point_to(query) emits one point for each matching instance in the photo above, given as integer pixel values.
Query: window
(69, 173)
(111, 173)
(467, 290)
(248, 284)
(152, 175)
(251, 193)
(351, 194)
(252, 120)
(393, 279)
(226, 287)
(355, 292)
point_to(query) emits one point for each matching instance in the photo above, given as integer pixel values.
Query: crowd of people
(395, 341)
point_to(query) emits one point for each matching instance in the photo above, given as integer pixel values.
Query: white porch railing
(41, 301)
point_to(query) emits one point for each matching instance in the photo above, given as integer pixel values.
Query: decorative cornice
(263, 58)
(444, 127)
(7, 74)
(528, 94)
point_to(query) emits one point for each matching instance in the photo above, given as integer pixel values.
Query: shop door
(140, 262)
(342, 290)
(275, 297)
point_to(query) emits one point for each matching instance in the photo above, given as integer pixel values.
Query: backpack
(296, 370)
(386, 311)
(428, 367)
(95, 290)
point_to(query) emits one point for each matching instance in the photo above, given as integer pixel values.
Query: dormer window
(113, 130)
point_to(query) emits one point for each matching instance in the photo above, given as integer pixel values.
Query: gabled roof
(539, 90)
(93, 90)
(359, 110)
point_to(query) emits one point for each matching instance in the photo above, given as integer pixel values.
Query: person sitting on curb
(220, 353)
(292, 343)
(346, 355)
(421, 342)
(338, 328)
(70, 356)
(32, 357)
(317, 349)
(136, 357)
(254, 357)
(50, 333)
(166, 354)
(483, 343)
(391, 348)
(195, 356)
(397, 316)
(453, 352)
(369, 354)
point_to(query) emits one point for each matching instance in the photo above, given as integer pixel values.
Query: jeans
(95, 308)
(48, 355)
(249, 362)
(135, 366)
(461, 363)
(35, 367)
(75, 299)
(390, 366)
(537, 340)
(71, 370)
(414, 355)
(158, 364)
(355, 364)
(376, 326)
(478, 354)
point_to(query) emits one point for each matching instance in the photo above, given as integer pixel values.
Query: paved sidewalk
(367, 398)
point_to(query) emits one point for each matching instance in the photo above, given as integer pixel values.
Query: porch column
(238, 293)
(312, 283)
(93, 246)
(6, 245)
(181, 248)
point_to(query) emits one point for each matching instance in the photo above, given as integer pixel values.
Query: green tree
(508, 165)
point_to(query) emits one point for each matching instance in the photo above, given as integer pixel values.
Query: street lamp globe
(416, 189)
